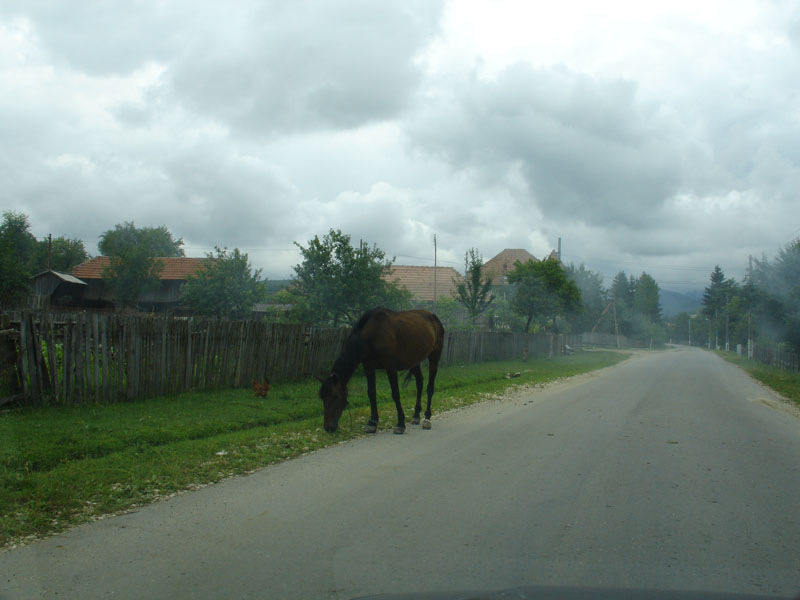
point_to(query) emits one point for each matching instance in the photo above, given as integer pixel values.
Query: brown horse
(389, 340)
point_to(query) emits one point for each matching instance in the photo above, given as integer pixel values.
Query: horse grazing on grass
(389, 340)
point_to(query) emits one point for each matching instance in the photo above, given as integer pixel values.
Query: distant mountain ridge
(674, 303)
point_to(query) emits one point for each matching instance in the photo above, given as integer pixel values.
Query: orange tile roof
(500, 265)
(419, 280)
(174, 268)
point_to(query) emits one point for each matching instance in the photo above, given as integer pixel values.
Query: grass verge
(61, 466)
(786, 383)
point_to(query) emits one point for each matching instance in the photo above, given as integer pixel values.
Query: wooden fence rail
(788, 361)
(78, 358)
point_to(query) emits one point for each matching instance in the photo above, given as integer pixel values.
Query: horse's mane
(367, 316)
(349, 359)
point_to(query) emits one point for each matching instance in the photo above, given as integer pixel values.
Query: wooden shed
(50, 289)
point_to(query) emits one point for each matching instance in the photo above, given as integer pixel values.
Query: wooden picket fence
(782, 359)
(77, 358)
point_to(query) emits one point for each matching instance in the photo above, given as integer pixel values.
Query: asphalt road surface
(673, 470)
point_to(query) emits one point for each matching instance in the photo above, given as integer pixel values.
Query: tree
(622, 290)
(65, 253)
(543, 291)
(717, 293)
(716, 299)
(778, 297)
(227, 286)
(132, 274)
(134, 268)
(474, 293)
(337, 282)
(646, 298)
(593, 296)
(16, 248)
(157, 240)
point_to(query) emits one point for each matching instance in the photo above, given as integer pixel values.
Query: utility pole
(434, 272)
(49, 249)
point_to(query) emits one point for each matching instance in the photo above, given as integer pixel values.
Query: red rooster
(261, 389)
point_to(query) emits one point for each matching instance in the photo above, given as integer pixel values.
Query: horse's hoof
(370, 428)
(399, 430)
(426, 424)
(415, 420)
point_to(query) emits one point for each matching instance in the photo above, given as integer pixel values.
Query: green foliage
(543, 291)
(645, 298)
(132, 274)
(134, 269)
(622, 290)
(227, 287)
(64, 254)
(475, 292)
(718, 293)
(17, 245)
(776, 298)
(336, 282)
(593, 296)
(450, 313)
(502, 316)
(155, 241)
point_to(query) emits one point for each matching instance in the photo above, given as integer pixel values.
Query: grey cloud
(102, 38)
(220, 196)
(306, 65)
(587, 148)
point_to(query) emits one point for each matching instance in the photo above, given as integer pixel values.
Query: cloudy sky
(649, 136)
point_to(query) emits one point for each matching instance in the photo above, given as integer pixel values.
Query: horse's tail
(407, 379)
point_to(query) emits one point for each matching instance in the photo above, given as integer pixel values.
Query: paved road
(669, 471)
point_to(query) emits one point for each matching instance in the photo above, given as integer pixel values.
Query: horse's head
(334, 398)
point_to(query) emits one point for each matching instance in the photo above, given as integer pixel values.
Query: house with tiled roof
(85, 288)
(499, 266)
(421, 281)
(173, 275)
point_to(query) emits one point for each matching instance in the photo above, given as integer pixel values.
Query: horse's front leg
(401, 418)
(372, 424)
(417, 372)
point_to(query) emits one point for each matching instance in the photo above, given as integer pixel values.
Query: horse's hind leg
(433, 368)
(417, 372)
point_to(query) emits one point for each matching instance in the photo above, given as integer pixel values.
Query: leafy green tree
(131, 274)
(646, 298)
(16, 248)
(475, 291)
(134, 268)
(227, 287)
(158, 241)
(337, 282)
(543, 291)
(593, 296)
(65, 253)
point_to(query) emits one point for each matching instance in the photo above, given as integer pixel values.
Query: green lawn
(786, 383)
(65, 465)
